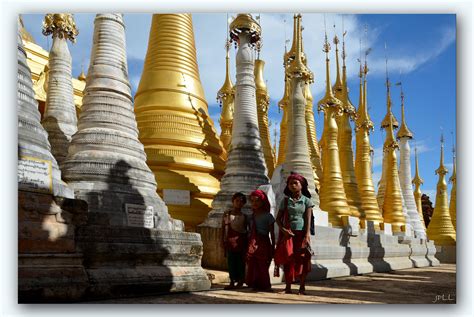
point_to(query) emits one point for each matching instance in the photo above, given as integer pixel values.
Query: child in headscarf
(294, 220)
(262, 242)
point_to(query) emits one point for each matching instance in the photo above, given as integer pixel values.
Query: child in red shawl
(293, 218)
(260, 250)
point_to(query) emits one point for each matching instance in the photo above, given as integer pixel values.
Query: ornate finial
(61, 25)
(297, 67)
(389, 117)
(390, 141)
(417, 180)
(245, 23)
(329, 100)
(25, 35)
(227, 88)
(403, 132)
(452, 179)
(442, 170)
(82, 76)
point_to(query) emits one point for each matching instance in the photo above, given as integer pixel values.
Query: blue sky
(421, 51)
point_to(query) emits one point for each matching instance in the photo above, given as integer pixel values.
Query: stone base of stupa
(50, 267)
(431, 255)
(130, 261)
(422, 253)
(446, 253)
(213, 251)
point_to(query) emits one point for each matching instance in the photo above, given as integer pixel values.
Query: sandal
(302, 291)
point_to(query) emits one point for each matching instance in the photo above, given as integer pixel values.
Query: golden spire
(288, 56)
(452, 201)
(297, 67)
(392, 204)
(403, 132)
(25, 35)
(283, 105)
(263, 102)
(337, 88)
(363, 167)
(348, 106)
(389, 117)
(344, 138)
(226, 96)
(170, 98)
(441, 228)
(82, 76)
(332, 195)
(418, 181)
(275, 141)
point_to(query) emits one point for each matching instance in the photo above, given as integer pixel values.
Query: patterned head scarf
(303, 182)
(260, 194)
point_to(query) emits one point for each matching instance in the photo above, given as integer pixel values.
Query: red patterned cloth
(300, 260)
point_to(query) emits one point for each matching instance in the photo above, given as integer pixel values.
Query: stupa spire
(441, 228)
(170, 98)
(60, 119)
(404, 135)
(297, 158)
(452, 180)
(389, 117)
(392, 208)
(332, 195)
(226, 96)
(283, 106)
(363, 169)
(337, 88)
(418, 181)
(344, 137)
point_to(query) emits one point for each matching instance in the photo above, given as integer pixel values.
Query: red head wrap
(260, 194)
(303, 182)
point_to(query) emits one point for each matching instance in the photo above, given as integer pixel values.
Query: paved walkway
(411, 286)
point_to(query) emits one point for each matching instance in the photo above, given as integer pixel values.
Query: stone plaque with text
(139, 215)
(35, 175)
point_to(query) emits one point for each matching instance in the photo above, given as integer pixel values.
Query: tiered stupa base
(50, 267)
(129, 261)
(352, 251)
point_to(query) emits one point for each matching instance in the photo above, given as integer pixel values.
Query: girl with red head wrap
(261, 242)
(294, 221)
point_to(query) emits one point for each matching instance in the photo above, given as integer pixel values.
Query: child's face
(255, 202)
(238, 202)
(295, 186)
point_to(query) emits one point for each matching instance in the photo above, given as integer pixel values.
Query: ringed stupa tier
(441, 229)
(106, 164)
(363, 169)
(418, 181)
(332, 195)
(34, 149)
(297, 157)
(245, 168)
(344, 137)
(404, 135)
(226, 96)
(170, 98)
(314, 152)
(452, 200)
(263, 103)
(60, 120)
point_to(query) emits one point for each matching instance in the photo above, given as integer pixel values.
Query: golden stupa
(226, 96)
(344, 136)
(182, 147)
(392, 209)
(283, 105)
(452, 200)
(418, 181)
(263, 103)
(363, 168)
(37, 60)
(332, 195)
(441, 229)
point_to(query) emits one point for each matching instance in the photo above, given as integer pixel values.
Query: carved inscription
(35, 175)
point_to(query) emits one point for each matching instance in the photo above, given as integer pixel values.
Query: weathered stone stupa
(297, 157)
(60, 120)
(49, 264)
(182, 146)
(245, 169)
(130, 244)
(404, 135)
